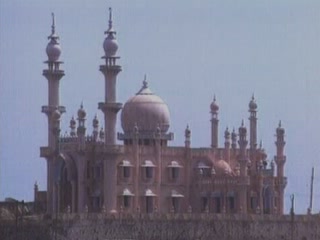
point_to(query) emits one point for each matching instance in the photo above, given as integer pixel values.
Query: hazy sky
(189, 50)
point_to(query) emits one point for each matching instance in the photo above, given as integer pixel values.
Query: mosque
(91, 172)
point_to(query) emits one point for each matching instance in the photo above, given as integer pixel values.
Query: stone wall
(166, 227)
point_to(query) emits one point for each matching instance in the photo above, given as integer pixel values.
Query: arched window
(174, 170)
(126, 166)
(148, 169)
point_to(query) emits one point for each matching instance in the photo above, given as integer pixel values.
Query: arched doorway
(267, 200)
(67, 187)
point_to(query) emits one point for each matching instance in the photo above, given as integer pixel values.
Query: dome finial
(53, 35)
(145, 82)
(53, 30)
(110, 18)
(242, 123)
(280, 124)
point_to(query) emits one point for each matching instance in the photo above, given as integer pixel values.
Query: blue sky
(189, 52)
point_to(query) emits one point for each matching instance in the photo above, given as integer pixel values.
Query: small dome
(81, 112)
(53, 50)
(222, 167)
(252, 104)
(110, 45)
(214, 106)
(145, 110)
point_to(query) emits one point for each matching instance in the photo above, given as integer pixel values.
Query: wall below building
(167, 227)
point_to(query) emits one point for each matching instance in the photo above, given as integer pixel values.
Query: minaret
(214, 123)
(280, 160)
(227, 145)
(253, 123)
(243, 149)
(53, 111)
(53, 75)
(243, 161)
(110, 71)
(81, 130)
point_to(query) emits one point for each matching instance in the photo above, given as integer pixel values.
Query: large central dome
(145, 110)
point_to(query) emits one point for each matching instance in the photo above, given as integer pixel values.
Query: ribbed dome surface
(145, 110)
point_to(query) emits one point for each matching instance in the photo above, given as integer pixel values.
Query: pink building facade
(144, 173)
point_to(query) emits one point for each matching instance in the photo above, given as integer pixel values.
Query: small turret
(95, 125)
(187, 135)
(101, 134)
(227, 145)
(234, 139)
(81, 121)
(73, 126)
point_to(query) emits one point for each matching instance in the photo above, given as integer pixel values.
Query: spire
(110, 17)
(145, 82)
(110, 25)
(53, 29)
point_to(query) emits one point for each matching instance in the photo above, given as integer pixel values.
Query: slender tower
(53, 111)
(280, 160)
(110, 71)
(214, 123)
(253, 123)
(110, 108)
(227, 145)
(243, 161)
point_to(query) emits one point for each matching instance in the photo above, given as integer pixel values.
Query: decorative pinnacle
(280, 124)
(252, 98)
(260, 145)
(110, 29)
(110, 18)
(214, 98)
(242, 123)
(53, 30)
(145, 83)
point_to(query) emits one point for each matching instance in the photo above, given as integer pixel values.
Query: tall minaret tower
(253, 123)
(214, 123)
(110, 71)
(243, 162)
(53, 110)
(280, 160)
